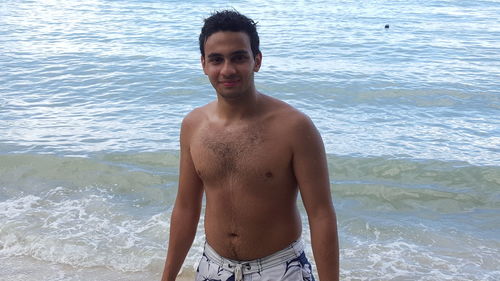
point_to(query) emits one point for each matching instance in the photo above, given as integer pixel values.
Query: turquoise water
(92, 94)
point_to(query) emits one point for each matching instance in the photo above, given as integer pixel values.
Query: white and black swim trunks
(289, 264)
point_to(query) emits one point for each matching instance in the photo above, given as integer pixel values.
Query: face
(230, 64)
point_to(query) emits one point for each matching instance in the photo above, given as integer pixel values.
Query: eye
(240, 58)
(215, 60)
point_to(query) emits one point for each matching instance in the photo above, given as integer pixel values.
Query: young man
(250, 154)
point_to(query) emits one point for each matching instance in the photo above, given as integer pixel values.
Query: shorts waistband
(294, 250)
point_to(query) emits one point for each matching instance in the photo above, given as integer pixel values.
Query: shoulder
(303, 129)
(291, 125)
(196, 117)
(300, 133)
(289, 117)
(195, 120)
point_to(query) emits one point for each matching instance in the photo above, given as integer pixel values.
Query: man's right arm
(187, 207)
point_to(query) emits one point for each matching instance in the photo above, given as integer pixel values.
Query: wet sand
(188, 276)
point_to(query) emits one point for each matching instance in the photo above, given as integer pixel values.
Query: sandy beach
(186, 276)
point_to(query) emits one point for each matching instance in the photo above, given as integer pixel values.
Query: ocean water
(92, 94)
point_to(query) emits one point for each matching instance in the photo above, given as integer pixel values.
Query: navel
(269, 175)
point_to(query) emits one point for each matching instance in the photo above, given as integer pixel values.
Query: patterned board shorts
(289, 264)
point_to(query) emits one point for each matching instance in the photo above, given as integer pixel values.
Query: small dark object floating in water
(386, 26)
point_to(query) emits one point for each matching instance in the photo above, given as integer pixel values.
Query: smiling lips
(230, 83)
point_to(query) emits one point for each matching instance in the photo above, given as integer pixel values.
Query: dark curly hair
(230, 20)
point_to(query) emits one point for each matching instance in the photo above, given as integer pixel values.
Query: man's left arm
(311, 170)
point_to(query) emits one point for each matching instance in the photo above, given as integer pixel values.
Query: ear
(203, 64)
(258, 62)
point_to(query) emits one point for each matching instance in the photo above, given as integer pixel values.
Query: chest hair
(229, 151)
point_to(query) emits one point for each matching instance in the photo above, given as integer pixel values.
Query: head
(230, 20)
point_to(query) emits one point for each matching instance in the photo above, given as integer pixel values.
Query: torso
(251, 191)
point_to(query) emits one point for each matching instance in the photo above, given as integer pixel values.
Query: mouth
(230, 83)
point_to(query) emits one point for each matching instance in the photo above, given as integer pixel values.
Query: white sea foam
(379, 251)
(87, 230)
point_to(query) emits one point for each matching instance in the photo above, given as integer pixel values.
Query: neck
(237, 108)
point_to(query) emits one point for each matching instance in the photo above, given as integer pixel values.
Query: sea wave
(403, 183)
(112, 211)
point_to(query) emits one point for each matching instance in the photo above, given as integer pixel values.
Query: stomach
(248, 230)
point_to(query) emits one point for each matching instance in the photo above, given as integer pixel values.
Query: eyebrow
(239, 52)
(214, 55)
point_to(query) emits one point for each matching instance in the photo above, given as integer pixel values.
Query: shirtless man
(250, 154)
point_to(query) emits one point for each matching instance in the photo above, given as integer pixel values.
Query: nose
(228, 69)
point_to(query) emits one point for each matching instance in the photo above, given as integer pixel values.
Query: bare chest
(245, 153)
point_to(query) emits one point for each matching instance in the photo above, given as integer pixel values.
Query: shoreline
(23, 268)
